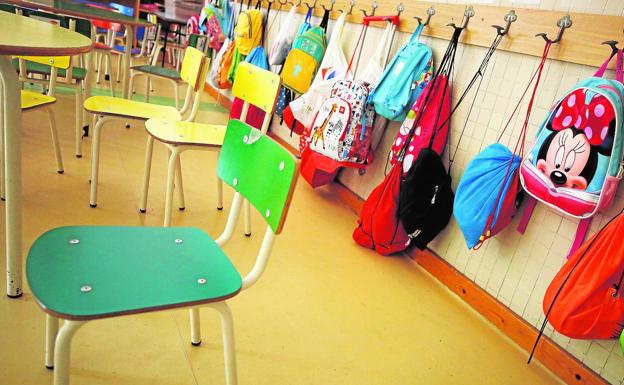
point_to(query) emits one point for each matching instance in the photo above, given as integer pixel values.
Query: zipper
(435, 193)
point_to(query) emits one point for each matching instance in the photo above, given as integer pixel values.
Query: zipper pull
(434, 194)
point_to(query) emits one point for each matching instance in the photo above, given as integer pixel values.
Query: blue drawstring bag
(258, 57)
(479, 198)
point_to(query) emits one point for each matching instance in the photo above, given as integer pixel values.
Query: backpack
(248, 31)
(218, 20)
(404, 79)
(223, 64)
(584, 299)
(487, 196)
(380, 225)
(575, 165)
(304, 58)
(284, 40)
(341, 132)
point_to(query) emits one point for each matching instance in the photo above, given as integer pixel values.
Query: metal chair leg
(55, 141)
(62, 351)
(95, 159)
(52, 326)
(229, 352)
(149, 149)
(171, 172)
(247, 211)
(219, 194)
(195, 326)
(179, 186)
(79, 125)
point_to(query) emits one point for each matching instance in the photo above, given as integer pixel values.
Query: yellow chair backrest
(256, 86)
(193, 69)
(53, 61)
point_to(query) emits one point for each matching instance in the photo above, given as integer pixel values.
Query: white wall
(513, 268)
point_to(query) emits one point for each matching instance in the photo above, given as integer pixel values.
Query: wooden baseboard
(551, 355)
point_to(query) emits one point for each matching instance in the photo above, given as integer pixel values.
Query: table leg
(12, 112)
(164, 50)
(126, 62)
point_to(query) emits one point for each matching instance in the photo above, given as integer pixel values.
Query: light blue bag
(258, 57)
(403, 80)
(478, 192)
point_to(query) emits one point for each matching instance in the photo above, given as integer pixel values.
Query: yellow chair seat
(109, 105)
(186, 133)
(32, 99)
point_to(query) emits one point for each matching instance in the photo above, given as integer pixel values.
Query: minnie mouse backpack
(575, 164)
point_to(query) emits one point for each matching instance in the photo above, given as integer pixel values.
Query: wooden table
(80, 9)
(36, 38)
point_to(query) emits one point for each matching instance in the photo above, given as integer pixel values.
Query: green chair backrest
(260, 169)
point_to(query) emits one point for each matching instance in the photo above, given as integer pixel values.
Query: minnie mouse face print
(582, 127)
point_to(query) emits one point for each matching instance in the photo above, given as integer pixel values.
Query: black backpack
(425, 198)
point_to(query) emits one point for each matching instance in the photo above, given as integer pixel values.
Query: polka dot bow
(590, 112)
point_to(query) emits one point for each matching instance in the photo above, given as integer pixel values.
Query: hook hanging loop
(468, 13)
(430, 12)
(509, 18)
(563, 23)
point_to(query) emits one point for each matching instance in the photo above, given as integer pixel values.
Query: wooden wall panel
(581, 42)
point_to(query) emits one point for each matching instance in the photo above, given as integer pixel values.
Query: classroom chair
(31, 100)
(85, 273)
(40, 71)
(254, 86)
(168, 74)
(108, 108)
(103, 51)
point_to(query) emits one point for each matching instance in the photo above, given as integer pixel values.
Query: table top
(175, 16)
(78, 9)
(37, 38)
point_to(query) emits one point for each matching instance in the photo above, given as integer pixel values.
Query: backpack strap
(325, 21)
(416, 35)
(308, 18)
(579, 237)
(619, 66)
(526, 215)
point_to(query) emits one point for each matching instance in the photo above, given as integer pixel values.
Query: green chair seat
(89, 272)
(78, 73)
(158, 71)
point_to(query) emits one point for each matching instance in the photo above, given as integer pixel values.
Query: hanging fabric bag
(485, 200)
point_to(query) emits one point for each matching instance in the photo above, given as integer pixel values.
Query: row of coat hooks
(563, 23)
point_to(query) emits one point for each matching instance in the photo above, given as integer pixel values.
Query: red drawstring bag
(584, 300)
(379, 226)
(255, 115)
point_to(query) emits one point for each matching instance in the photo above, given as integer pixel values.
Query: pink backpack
(439, 99)
(575, 164)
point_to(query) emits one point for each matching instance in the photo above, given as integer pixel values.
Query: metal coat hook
(430, 12)
(509, 18)
(311, 6)
(350, 8)
(400, 9)
(295, 5)
(563, 23)
(613, 45)
(375, 6)
(331, 8)
(468, 13)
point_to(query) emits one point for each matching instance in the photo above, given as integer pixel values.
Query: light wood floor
(325, 312)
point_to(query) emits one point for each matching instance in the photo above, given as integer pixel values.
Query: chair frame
(191, 103)
(58, 341)
(266, 102)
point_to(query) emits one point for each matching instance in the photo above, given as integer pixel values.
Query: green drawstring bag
(237, 57)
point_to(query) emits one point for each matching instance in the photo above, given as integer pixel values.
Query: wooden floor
(326, 311)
